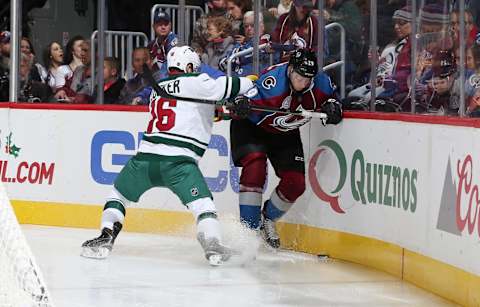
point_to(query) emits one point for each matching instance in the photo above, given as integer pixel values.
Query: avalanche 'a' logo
(289, 121)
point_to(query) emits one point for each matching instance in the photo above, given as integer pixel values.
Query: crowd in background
(63, 73)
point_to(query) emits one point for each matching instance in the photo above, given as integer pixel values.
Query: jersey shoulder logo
(269, 82)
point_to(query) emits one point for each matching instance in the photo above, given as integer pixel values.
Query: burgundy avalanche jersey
(273, 89)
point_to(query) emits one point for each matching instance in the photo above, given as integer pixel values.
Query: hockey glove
(333, 109)
(240, 106)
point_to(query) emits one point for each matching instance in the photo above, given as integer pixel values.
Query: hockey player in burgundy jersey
(259, 136)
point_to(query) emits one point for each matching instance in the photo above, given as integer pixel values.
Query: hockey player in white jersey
(177, 136)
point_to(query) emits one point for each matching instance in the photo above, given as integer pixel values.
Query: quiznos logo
(370, 182)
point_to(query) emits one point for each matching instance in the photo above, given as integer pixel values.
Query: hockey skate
(100, 247)
(215, 252)
(269, 232)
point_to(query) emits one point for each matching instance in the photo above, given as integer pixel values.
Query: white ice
(157, 270)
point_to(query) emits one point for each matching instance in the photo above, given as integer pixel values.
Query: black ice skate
(269, 232)
(215, 252)
(100, 247)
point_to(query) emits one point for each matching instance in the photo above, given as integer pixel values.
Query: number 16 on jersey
(163, 115)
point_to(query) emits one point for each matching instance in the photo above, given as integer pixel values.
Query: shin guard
(253, 177)
(114, 209)
(291, 187)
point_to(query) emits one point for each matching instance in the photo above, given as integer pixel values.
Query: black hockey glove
(333, 109)
(240, 106)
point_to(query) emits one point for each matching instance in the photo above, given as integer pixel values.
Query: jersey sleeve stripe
(227, 87)
(235, 86)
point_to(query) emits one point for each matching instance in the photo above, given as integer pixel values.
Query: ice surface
(156, 270)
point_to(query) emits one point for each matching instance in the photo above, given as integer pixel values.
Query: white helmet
(180, 57)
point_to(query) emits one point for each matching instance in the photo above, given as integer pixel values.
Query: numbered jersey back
(185, 125)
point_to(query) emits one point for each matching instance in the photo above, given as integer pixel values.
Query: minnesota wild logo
(10, 147)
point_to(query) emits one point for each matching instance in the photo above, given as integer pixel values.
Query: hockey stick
(303, 113)
(147, 74)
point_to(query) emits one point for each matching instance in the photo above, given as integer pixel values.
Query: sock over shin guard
(275, 207)
(114, 210)
(291, 187)
(208, 224)
(252, 180)
(205, 214)
(250, 207)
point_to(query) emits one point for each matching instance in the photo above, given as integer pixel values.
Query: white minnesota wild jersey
(177, 127)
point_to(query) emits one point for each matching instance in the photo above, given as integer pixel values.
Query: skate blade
(215, 260)
(233, 258)
(95, 253)
(267, 247)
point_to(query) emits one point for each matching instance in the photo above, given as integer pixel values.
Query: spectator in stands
(26, 46)
(434, 40)
(441, 98)
(243, 65)
(397, 86)
(424, 66)
(434, 28)
(236, 9)
(113, 83)
(346, 13)
(470, 28)
(220, 41)
(73, 52)
(200, 33)
(470, 65)
(132, 92)
(5, 50)
(283, 7)
(57, 72)
(474, 7)
(472, 84)
(31, 90)
(296, 29)
(164, 40)
(385, 34)
(82, 83)
(385, 11)
(473, 102)
(38, 73)
(78, 89)
(387, 61)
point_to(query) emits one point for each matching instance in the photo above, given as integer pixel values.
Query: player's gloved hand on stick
(240, 106)
(333, 108)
